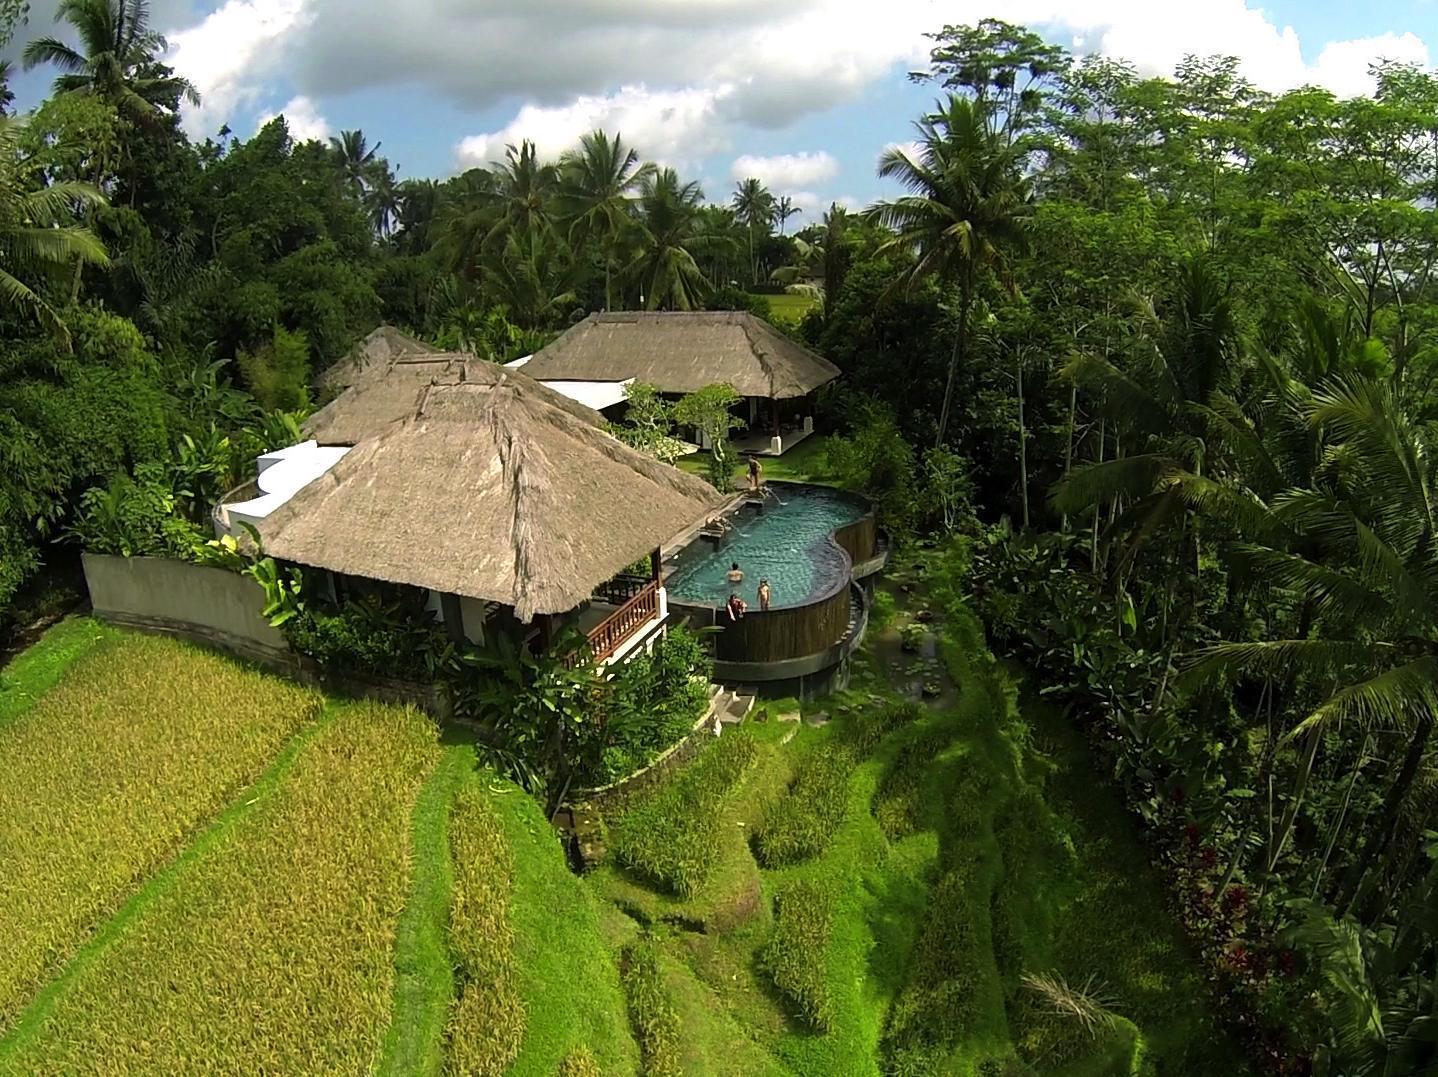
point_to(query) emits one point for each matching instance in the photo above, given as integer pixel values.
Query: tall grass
(651, 1011)
(270, 952)
(673, 835)
(796, 955)
(487, 1023)
(108, 775)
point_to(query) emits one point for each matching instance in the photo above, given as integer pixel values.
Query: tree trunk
(960, 347)
(1290, 813)
(1380, 838)
(1342, 815)
(1069, 448)
(1023, 439)
(1093, 549)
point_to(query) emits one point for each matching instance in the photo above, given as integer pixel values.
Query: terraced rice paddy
(211, 871)
(106, 777)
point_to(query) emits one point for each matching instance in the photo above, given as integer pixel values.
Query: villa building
(680, 353)
(505, 501)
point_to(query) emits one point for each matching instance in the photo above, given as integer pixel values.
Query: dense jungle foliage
(1147, 363)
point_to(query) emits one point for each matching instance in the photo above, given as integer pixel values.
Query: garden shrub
(863, 733)
(135, 517)
(487, 1023)
(368, 636)
(650, 704)
(673, 835)
(656, 1023)
(794, 956)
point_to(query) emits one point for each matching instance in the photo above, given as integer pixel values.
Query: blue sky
(804, 94)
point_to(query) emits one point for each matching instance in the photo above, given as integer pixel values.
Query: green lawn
(806, 462)
(790, 308)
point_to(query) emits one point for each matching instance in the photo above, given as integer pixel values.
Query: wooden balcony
(640, 605)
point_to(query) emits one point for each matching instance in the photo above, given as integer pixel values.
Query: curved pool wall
(801, 649)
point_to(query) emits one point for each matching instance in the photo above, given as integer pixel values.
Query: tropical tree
(533, 277)
(598, 182)
(39, 236)
(783, 210)
(525, 188)
(1371, 580)
(383, 199)
(965, 210)
(355, 157)
(668, 236)
(753, 205)
(116, 59)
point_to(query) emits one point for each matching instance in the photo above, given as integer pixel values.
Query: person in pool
(736, 574)
(765, 594)
(736, 607)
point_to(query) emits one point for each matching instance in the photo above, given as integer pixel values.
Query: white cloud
(303, 119)
(672, 126)
(1342, 66)
(230, 56)
(786, 172)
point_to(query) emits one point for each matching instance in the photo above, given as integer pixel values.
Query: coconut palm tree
(115, 60)
(1369, 572)
(38, 233)
(783, 210)
(669, 235)
(355, 157)
(532, 275)
(754, 206)
(597, 184)
(525, 190)
(966, 208)
(383, 198)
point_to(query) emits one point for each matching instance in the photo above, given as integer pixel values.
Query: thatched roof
(387, 391)
(380, 348)
(489, 490)
(682, 352)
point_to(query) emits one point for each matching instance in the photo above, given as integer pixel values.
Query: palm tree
(524, 192)
(1369, 573)
(116, 59)
(38, 236)
(418, 204)
(754, 206)
(670, 233)
(596, 192)
(464, 215)
(783, 210)
(532, 276)
(355, 157)
(967, 206)
(383, 199)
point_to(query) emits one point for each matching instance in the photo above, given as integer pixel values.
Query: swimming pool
(788, 543)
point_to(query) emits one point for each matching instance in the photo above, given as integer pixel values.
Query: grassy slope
(424, 971)
(39, 668)
(567, 971)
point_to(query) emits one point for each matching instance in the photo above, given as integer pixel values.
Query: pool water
(787, 544)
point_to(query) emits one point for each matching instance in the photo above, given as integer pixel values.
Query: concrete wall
(209, 605)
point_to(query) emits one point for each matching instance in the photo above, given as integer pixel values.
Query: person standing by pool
(756, 474)
(765, 594)
(736, 574)
(736, 607)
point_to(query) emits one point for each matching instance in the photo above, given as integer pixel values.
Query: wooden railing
(621, 589)
(625, 621)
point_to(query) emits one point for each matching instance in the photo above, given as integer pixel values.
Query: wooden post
(453, 614)
(654, 564)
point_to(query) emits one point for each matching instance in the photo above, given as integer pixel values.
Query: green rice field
(205, 869)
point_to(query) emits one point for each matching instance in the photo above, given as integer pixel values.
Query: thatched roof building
(384, 392)
(489, 490)
(380, 348)
(682, 352)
